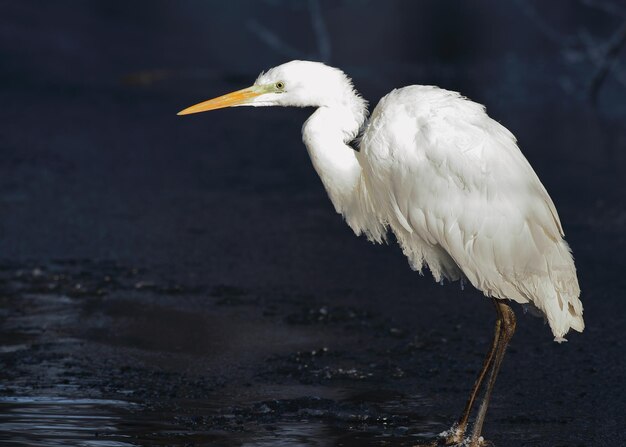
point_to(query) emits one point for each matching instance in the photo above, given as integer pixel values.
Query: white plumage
(460, 197)
(454, 188)
(447, 180)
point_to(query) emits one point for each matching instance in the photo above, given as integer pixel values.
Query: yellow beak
(238, 98)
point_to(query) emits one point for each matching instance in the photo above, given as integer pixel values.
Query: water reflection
(54, 421)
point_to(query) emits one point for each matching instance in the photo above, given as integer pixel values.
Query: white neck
(326, 135)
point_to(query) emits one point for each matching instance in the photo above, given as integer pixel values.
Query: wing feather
(462, 199)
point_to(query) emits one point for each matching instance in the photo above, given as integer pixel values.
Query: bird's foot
(448, 438)
(455, 437)
(467, 442)
(480, 442)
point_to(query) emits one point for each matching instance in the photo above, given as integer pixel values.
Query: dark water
(187, 282)
(55, 335)
(97, 354)
(100, 422)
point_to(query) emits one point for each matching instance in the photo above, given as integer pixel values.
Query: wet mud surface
(187, 282)
(97, 353)
(92, 352)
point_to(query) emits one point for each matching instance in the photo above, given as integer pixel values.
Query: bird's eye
(280, 85)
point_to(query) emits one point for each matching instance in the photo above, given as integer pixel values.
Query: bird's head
(295, 83)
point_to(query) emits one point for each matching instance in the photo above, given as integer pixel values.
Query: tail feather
(557, 293)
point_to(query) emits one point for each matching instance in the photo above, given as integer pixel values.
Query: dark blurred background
(185, 281)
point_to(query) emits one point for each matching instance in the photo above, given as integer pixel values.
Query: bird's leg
(506, 316)
(504, 329)
(457, 433)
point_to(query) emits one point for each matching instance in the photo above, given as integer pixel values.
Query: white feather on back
(461, 198)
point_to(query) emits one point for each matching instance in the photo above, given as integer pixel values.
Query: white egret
(448, 181)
